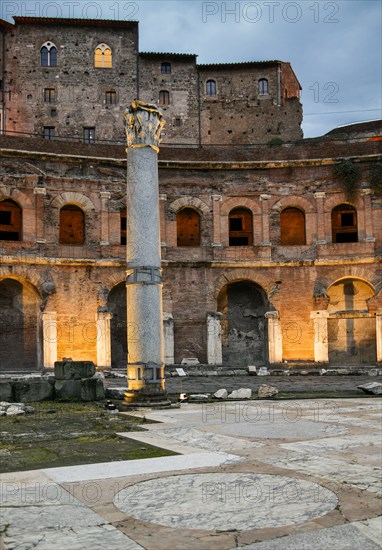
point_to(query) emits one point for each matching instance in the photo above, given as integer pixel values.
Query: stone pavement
(255, 475)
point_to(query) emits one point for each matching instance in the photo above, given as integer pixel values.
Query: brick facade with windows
(93, 69)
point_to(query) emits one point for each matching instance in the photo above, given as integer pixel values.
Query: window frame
(162, 95)
(111, 97)
(104, 48)
(263, 86)
(49, 133)
(89, 135)
(246, 216)
(49, 94)
(211, 86)
(50, 47)
(166, 67)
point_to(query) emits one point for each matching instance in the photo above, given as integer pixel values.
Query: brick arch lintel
(25, 276)
(292, 201)
(237, 275)
(237, 202)
(339, 198)
(71, 197)
(18, 196)
(193, 202)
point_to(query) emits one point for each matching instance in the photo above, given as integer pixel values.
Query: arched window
(188, 227)
(123, 226)
(165, 68)
(240, 227)
(292, 227)
(103, 58)
(211, 87)
(344, 224)
(72, 225)
(48, 54)
(164, 97)
(10, 221)
(263, 86)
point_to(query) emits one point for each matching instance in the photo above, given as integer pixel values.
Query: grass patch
(68, 434)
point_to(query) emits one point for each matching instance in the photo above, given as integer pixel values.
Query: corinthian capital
(144, 125)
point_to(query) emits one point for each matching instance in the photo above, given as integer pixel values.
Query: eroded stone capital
(144, 124)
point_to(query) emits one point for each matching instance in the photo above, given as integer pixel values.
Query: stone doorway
(19, 327)
(244, 326)
(117, 306)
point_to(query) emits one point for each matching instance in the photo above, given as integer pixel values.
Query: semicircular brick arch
(293, 201)
(240, 202)
(237, 275)
(18, 196)
(192, 202)
(25, 276)
(114, 280)
(71, 197)
(339, 198)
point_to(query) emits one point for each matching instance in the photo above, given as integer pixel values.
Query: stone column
(40, 231)
(214, 338)
(168, 329)
(321, 233)
(265, 220)
(49, 331)
(321, 344)
(105, 197)
(103, 339)
(378, 321)
(275, 337)
(145, 369)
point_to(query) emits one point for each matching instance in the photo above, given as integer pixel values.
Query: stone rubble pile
(14, 409)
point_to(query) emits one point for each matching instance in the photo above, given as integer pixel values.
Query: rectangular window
(49, 95)
(178, 122)
(53, 113)
(5, 218)
(49, 132)
(111, 98)
(89, 135)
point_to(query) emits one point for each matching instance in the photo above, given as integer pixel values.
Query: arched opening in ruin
(240, 227)
(351, 326)
(20, 337)
(244, 326)
(344, 224)
(72, 225)
(10, 221)
(117, 306)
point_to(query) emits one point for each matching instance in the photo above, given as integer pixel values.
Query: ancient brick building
(268, 255)
(73, 78)
(265, 257)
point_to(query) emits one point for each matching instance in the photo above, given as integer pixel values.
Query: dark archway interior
(118, 326)
(244, 327)
(18, 327)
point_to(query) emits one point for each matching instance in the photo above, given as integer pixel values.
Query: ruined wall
(75, 282)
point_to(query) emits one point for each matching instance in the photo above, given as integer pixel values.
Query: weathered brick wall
(75, 281)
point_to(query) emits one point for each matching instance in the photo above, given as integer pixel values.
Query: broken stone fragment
(15, 410)
(241, 393)
(266, 392)
(374, 388)
(221, 394)
(73, 370)
(199, 397)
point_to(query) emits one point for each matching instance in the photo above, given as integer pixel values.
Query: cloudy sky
(334, 47)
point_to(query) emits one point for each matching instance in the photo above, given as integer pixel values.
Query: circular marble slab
(223, 501)
(303, 429)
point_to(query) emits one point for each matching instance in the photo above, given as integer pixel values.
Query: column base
(146, 397)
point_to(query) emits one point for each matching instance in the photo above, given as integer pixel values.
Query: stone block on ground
(68, 389)
(74, 370)
(6, 391)
(374, 388)
(199, 397)
(221, 394)
(15, 410)
(33, 390)
(267, 391)
(190, 361)
(263, 371)
(252, 370)
(241, 393)
(92, 389)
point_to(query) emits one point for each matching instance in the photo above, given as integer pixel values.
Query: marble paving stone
(225, 501)
(42, 493)
(342, 537)
(324, 445)
(372, 528)
(125, 468)
(284, 430)
(95, 538)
